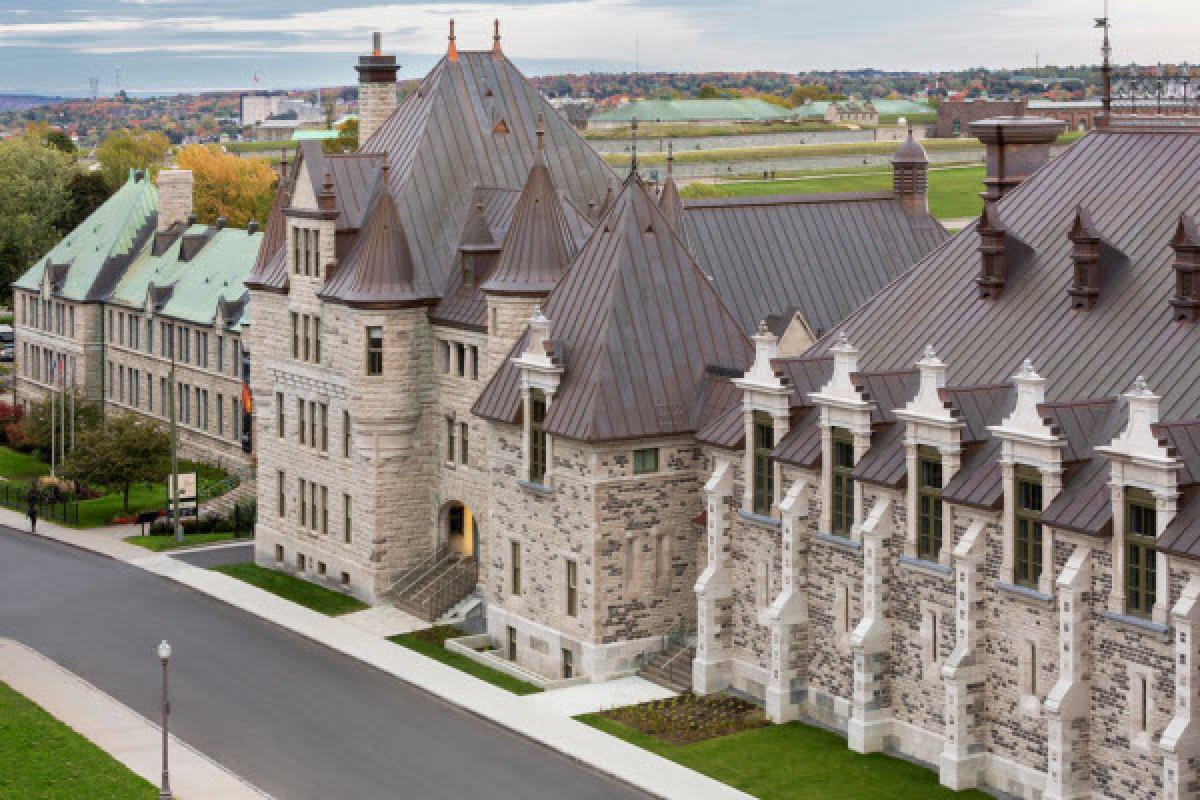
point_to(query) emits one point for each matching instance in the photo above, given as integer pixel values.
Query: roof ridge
(793, 199)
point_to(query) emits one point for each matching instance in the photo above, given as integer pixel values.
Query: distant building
(851, 112)
(715, 111)
(954, 116)
(257, 107)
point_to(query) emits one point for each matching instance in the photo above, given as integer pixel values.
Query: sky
(162, 46)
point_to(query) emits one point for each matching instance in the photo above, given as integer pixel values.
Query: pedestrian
(32, 512)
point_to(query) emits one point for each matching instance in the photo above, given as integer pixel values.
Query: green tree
(87, 191)
(127, 149)
(35, 179)
(708, 92)
(123, 451)
(36, 425)
(346, 141)
(60, 141)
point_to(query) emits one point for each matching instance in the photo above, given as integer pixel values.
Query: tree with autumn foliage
(239, 189)
(130, 149)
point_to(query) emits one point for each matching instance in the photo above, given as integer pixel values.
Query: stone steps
(671, 669)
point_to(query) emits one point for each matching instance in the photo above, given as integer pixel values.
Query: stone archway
(459, 531)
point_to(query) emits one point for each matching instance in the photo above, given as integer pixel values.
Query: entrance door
(460, 530)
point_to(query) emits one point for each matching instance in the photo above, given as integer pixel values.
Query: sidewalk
(543, 722)
(117, 729)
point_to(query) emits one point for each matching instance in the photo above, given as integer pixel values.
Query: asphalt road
(216, 556)
(296, 719)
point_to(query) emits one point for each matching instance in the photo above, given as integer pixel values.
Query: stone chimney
(910, 175)
(376, 89)
(1016, 148)
(174, 197)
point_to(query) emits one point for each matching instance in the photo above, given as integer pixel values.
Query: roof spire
(540, 130)
(1106, 66)
(452, 48)
(633, 165)
(496, 36)
(670, 158)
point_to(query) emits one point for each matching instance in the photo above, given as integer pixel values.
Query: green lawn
(953, 191)
(794, 762)
(43, 759)
(19, 469)
(300, 591)
(431, 643)
(160, 543)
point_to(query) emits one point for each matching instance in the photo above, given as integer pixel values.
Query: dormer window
(929, 503)
(1186, 244)
(764, 469)
(842, 490)
(467, 265)
(1141, 558)
(537, 436)
(1085, 253)
(1027, 564)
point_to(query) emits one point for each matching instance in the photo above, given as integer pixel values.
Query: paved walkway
(117, 729)
(549, 726)
(588, 697)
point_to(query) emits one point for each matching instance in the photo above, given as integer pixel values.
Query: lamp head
(164, 650)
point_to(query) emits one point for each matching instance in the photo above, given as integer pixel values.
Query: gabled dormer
(1185, 303)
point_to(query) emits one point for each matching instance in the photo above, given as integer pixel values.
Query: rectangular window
(374, 350)
(460, 358)
(296, 254)
(467, 269)
(764, 469)
(235, 424)
(316, 340)
(842, 494)
(300, 419)
(451, 425)
(150, 392)
(324, 509)
(347, 524)
(645, 460)
(220, 354)
(303, 486)
(281, 489)
(307, 341)
(279, 414)
(572, 589)
(537, 436)
(464, 442)
(312, 423)
(324, 427)
(474, 362)
(345, 434)
(929, 503)
(312, 504)
(235, 361)
(512, 643)
(514, 564)
(1141, 559)
(220, 415)
(1027, 562)
(295, 335)
(316, 253)
(568, 663)
(444, 356)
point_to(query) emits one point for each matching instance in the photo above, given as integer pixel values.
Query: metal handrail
(414, 574)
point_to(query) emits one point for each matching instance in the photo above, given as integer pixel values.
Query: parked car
(7, 343)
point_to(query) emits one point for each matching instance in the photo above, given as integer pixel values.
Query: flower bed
(691, 718)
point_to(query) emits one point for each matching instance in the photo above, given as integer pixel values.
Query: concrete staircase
(672, 668)
(436, 585)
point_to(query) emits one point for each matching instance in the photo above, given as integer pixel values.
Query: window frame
(841, 489)
(1141, 554)
(374, 350)
(641, 454)
(537, 437)
(929, 503)
(1028, 533)
(514, 568)
(572, 578)
(763, 489)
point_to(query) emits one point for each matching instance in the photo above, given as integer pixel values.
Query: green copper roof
(218, 271)
(742, 108)
(110, 234)
(315, 134)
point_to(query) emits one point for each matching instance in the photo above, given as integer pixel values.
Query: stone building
(453, 334)
(107, 301)
(851, 112)
(962, 526)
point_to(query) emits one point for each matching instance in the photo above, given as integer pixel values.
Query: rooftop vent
(993, 262)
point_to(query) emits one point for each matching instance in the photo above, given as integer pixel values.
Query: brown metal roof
(379, 272)
(637, 325)
(824, 254)
(976, 407)
(270, 269)
(802, 445)
(538, 247)
(1182, 536)
(671, 204)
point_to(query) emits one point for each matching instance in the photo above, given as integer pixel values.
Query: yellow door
(468, 541)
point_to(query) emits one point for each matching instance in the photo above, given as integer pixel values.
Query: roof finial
(670, 158)
(540, 130)
(1106, 66)
(633, 165)
(452, 48)
(496, 36)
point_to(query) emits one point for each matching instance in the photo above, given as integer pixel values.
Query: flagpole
(62, 402)
(53, 417)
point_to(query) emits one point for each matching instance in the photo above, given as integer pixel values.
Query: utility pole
(176, 523)
(53, 415)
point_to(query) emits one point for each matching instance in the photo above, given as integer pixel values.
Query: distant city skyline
(166, 46)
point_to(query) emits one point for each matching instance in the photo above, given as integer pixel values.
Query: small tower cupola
(910, 175)
(992, 261)
(1185, 303)
(1085, 253)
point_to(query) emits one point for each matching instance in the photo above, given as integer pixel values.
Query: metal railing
(449, 588)
(63, 509)
(414, 574)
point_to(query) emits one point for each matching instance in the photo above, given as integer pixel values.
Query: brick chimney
(376, 89)
(174, 197)
(1016, 148)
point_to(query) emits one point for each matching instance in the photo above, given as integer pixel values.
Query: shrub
(14, 434)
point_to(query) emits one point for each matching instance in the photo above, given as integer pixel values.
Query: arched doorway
(458, 529)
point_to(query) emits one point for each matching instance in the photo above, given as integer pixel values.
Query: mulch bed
(691, 718)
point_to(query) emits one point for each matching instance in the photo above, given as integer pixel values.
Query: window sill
(1131, 621)
(1025, 593)
(930, 567)
(449, 464)
(536, 488)
(770, 522)
(842, 542)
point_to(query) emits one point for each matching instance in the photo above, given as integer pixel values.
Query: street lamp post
(164, 653)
